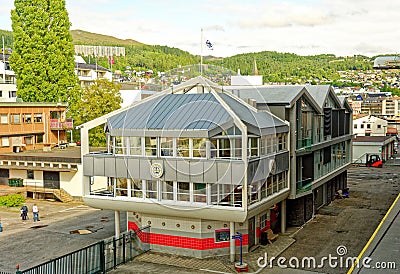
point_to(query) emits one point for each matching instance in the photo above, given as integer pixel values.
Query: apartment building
(28, 134)
(370, 126)
(320, 146)
(195, 163)
(27, 126)
(8, 82)
(89, 73)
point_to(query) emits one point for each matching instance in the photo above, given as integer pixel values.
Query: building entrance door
(4, 175)
(51, 179)
(252, 231)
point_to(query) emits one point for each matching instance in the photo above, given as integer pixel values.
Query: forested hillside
(284, 67)
(274, 66)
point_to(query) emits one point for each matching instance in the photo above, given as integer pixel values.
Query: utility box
(16, 182)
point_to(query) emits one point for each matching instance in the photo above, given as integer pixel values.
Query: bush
(12, 200)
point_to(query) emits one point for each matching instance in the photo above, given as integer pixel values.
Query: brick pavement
(153, 262)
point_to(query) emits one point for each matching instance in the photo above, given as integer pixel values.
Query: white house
(370, 126)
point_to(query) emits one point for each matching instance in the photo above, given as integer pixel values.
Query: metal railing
(100, 257)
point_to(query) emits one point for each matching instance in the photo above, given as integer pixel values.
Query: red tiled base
(181, 241)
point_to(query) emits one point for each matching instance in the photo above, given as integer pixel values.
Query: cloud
(214, 27)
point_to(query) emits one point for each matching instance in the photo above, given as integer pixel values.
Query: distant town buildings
(387, 62)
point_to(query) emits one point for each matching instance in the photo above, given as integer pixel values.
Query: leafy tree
(97, 100)
(43, 55)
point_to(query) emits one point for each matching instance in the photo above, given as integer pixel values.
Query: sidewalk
(166, 263)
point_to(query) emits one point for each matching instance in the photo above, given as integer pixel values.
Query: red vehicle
(374, 160)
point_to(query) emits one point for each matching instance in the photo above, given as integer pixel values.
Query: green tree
(97, 100)
(43, 55)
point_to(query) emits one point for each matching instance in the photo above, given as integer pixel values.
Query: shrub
(12, 200)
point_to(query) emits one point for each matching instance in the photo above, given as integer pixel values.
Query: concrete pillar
(283, 216)
(127, 220)
(232, 241)
(117, 224)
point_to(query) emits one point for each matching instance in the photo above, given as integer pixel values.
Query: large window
(16, 118)
(221, 194)
(167, 146)
(30, 174)
(39, 139)
(120, 145)
(253, 147)
(151, 189)
(4, 118)
(137, 189)
(199, 147)
(184, 191)
(5, 142)
(150, 146)
(221, 148)
(121, 187)
(135, 145)
(282, 141)
(37, 118)
(183, 147)
(168, 190)
(29, 140)
(199, 193)
(27, 118)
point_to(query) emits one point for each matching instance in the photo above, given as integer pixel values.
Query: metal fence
(100, 257)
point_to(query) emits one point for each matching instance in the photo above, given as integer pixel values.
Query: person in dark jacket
(24, 212)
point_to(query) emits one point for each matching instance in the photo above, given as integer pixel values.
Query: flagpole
(4, 62)
(201, 54)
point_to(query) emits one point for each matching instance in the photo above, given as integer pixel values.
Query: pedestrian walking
(35, 211)
(24, 212)
(1, 227)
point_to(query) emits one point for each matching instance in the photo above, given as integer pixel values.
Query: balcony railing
(57, 124)
(304, 185)
(304, 143)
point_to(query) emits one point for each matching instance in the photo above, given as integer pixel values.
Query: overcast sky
(306, 27)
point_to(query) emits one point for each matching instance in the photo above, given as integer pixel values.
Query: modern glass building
(196, 163)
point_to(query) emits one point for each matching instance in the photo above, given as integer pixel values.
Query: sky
(304, 27)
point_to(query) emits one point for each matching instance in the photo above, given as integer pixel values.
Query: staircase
(62, 195)
(59, 194)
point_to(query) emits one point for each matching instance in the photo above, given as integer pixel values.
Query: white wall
(360, 151)
(71, 182)
(373, 123)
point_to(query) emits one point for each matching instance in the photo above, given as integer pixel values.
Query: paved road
(48, 239)
(383, 249)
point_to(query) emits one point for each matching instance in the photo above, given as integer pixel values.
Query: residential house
(89, 73)
(370, 126)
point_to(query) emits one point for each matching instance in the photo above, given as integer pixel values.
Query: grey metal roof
(319, 93)
(90, 66)
(173, 112)
(257, 119)
(267, 94)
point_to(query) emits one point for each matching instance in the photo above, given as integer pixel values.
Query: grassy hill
(274, 66)
(88, 38)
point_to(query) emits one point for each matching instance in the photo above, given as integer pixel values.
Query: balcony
(304, 185)
(304, 144)
(57, 124)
